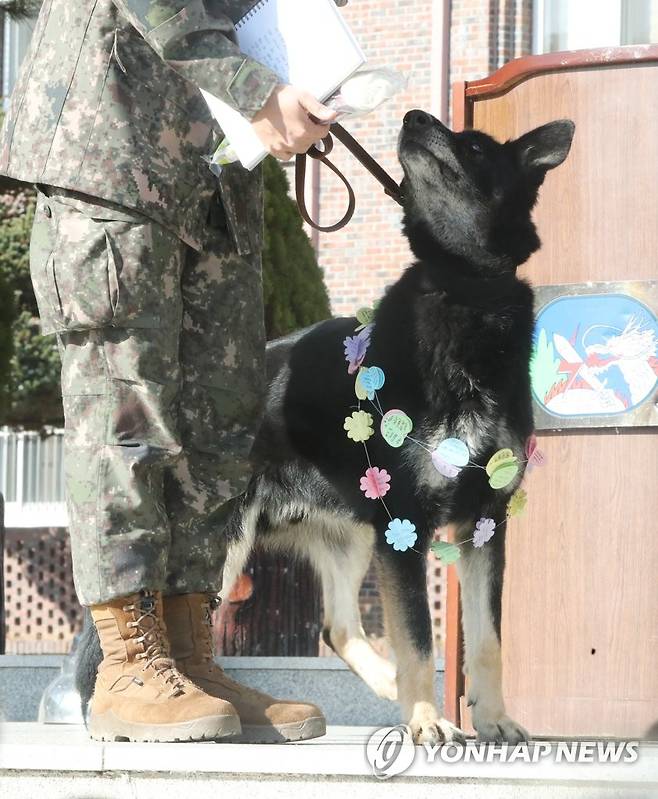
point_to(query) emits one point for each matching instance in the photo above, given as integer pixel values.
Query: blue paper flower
(356, 348)
(372, 379)
(484, 530)
(401, 534)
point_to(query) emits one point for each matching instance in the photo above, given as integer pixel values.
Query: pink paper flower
(532, 452)
(536, 459)
(375, 483)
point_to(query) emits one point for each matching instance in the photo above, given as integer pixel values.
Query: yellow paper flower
(517, 503)
(359, 426)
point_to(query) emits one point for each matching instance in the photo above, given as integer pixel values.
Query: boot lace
(208, 655)
(209, 608)
(156, 653)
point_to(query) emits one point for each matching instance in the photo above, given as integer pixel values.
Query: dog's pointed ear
(546, 147)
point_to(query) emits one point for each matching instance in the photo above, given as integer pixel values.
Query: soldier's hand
(284, 124)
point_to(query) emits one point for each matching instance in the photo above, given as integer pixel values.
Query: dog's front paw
(434, 731)
(500, 730)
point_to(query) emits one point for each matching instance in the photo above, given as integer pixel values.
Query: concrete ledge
(327, 682)
(62, 763)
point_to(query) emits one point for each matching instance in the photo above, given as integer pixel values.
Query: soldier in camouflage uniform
(147, 268)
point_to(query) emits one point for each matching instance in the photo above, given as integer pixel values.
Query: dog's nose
(416, 120)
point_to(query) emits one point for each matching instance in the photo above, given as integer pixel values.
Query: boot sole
(108, 727)
(314, 727)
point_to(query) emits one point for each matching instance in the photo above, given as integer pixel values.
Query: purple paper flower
(356, 348)
(401, 534)
(443, 467)
(484, 530)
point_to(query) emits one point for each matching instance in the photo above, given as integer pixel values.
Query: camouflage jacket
(108, 104)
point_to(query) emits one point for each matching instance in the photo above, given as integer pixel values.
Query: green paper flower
(445, 552)
(517, 503)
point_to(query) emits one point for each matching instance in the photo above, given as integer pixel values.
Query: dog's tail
(88, 658)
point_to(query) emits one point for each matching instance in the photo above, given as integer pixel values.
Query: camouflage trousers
(162, 380)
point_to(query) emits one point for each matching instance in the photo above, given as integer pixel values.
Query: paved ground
(52, 761)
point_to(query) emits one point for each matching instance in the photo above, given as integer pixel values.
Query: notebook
(306, 43)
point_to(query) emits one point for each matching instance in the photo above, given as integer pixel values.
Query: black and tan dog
(453, 337)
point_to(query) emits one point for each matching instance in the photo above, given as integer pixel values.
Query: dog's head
(472, 197)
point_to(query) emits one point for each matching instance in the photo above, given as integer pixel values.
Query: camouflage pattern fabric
(162, 378)
(108, 104)
(147, 268)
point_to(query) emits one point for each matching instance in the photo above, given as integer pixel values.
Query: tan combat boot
(263, 718)
(139, 693)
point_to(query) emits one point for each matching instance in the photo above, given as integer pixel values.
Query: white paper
(306, 43)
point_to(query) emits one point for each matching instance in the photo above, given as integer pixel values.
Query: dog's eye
(475, 147)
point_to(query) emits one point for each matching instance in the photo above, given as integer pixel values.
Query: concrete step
(326, 681)
(60, 762)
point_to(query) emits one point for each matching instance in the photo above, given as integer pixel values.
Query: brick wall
(485, 34)
(472, 24)
(362, 259)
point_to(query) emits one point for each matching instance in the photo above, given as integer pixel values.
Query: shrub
(294, 290)
(7, 314)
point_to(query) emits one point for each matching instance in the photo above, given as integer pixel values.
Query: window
(16, 37)
(32, 478)
(583, 24)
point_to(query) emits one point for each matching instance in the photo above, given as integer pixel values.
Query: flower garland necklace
(449, 457)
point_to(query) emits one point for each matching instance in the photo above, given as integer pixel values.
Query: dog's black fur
(453, 336)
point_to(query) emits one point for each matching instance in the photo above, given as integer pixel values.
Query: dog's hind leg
(341, 569)
(409, 627)
(481, 577)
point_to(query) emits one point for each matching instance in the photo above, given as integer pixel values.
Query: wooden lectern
(580, 607)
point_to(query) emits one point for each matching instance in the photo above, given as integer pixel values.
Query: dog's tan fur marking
(415, 671)
(482, 653)
(340, 552)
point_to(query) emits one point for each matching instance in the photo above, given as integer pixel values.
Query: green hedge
(293, 285)
(7, 316)
(29, 377)
(20, 9)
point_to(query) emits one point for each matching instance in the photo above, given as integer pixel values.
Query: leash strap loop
(391, 188)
